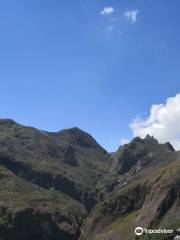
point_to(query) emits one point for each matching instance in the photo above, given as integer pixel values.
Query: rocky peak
(77, 136)
(138, 152)
(150, 139)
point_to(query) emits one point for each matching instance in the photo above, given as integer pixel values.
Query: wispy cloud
(124, 141)
(131, 15)
(107, 11)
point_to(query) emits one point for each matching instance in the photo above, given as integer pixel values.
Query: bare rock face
(69, 157)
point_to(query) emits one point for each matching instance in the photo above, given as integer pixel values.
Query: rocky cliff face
(138, 153)
(64, 185)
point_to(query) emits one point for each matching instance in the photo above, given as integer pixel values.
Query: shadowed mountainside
(64, 185)
(48, 180)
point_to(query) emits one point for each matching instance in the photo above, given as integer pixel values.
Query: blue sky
(66, 63)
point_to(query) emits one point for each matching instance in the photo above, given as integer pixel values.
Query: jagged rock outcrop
(138, 152)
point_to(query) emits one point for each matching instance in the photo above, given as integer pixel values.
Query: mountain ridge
(67, 186)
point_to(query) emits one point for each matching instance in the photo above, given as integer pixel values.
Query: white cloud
(124, 141)
(107, 11)
(131, 15)
(163, 122)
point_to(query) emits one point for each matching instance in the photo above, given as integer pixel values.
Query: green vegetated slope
(144, 191)
(47, 181)
(64, 185)
(28, 211)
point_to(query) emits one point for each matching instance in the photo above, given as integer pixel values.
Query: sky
(109, 67)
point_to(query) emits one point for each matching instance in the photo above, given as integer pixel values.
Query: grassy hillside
(149, 198)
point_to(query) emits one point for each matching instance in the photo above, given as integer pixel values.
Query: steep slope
(139, 152)
(51, 180)
(142, 189)
(30, 212)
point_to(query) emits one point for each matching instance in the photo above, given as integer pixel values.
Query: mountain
(48, 181)
(64, 185)
(142, 189)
